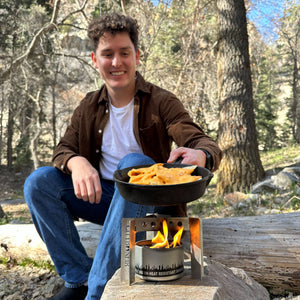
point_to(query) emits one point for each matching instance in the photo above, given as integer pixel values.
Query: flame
(177, 238)
(161, 240)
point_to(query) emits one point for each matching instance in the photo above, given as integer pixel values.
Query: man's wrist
(209, 160)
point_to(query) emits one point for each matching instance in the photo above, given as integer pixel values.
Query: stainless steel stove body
(130, 265)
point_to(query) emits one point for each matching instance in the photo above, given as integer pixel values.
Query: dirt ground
(12, 182)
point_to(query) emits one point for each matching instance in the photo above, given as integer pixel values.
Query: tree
(31, 44)
(177, 52)
(289, 44)
(266, 104)
(241, 166)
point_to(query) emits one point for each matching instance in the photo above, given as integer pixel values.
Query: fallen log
(19, 241)
(266, 247)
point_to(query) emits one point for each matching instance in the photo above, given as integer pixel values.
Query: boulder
(282, 180)
(219, 283)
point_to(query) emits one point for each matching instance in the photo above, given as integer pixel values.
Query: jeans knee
(134, 159)
(36, 180)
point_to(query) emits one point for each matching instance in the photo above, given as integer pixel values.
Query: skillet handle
(178, 160)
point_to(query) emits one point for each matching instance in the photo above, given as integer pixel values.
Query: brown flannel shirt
(159, 119)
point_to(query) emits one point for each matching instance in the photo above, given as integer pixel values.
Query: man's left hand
(190, 156)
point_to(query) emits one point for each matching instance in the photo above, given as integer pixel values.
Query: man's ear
(94, 59)
(137, 56)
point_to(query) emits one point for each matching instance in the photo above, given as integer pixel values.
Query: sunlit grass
(280, 157)
(38, 264)
(25, 262)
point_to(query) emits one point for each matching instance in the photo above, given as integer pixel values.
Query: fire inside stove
(160, 257)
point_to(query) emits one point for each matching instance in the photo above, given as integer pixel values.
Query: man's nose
(116, 61)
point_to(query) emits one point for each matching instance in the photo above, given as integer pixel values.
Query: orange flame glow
(161, 240)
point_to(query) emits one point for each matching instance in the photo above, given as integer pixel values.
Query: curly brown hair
(113, 23)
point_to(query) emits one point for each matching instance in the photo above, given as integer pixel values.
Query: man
(127, 122)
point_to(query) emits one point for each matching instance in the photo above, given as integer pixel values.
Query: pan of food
(162, 184)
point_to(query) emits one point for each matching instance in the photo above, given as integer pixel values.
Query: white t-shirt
(118, 138)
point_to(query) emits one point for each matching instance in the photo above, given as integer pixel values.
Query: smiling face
(116, 61)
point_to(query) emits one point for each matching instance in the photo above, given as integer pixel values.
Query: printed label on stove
(159, 271)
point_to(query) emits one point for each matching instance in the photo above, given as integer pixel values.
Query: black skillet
(162, 195)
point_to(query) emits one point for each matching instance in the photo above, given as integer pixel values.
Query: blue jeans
(51, 200)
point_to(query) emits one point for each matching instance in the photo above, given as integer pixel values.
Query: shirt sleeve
(68, 146)
(185, 132)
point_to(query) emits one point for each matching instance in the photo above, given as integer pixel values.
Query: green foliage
(265, 102)
(38, 264)
(296, 203)
(4, 260)
(3, 221)
(288, 46)
(30, 262)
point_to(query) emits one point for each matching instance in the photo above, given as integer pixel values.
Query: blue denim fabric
(51, 200)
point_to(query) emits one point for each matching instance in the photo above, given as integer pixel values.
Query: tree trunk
(1, 124)
(296, 100)
(266, 247)
(36, 129)
(241, 166)
(10, 132)
(53, 109)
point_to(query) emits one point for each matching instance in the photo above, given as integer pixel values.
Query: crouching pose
(127, 122)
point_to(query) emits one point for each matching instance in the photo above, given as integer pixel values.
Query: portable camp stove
(161, 264)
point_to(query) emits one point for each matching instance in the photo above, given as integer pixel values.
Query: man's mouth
(117, 73)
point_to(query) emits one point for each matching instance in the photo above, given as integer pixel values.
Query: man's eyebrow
(109, 49)
(126, 48)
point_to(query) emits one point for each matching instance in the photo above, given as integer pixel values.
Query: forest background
(45, 68)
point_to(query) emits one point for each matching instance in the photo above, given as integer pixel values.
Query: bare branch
(4, 75)
(36, 39)
(80, 9)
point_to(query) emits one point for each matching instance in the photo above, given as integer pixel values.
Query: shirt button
(97, 150)
(106, 111)
(62, 166)
(100, 130)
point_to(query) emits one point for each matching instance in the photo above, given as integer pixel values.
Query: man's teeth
(117, 73)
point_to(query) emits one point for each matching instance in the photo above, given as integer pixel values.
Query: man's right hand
(86, 179)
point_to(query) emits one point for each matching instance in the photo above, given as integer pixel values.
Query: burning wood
(161, 240)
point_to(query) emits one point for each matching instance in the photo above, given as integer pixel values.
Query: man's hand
(86, 179)
(190, 156)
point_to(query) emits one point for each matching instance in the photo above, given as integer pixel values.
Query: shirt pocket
(150, 134)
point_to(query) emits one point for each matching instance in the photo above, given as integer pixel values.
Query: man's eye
(106, 54)
(125, 53)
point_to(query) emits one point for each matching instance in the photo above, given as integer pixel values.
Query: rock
(293, 170)
(221, 283)
(261, 211)
(282, 180)
(265, 186)
(235, 198)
